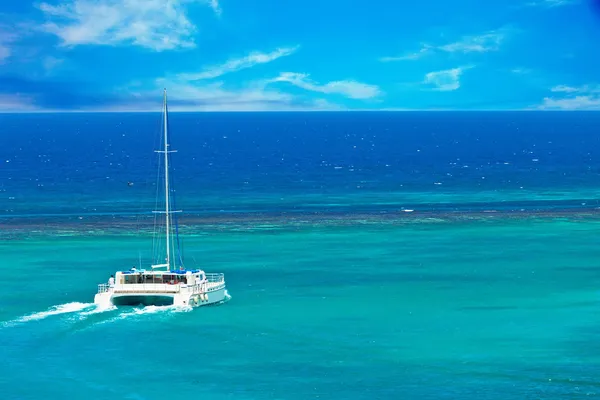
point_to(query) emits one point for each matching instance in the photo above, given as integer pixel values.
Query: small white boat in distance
(163, 284)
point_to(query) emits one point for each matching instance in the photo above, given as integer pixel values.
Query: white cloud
(571, 103)
(186, 96)
(214, 4)
(446, 80)
(215, 93)
(258, 95)
(551, 3)
(564, 89)
(326, 105)
(4, 52)
(521, 71)
(51, 62)
(349, 88)
(410, 56)
(586, 97)
(192, 92)
(15, 103)
(488, 41)
(575, 89)
(316, 105)
(153, 24)
(237, 64)
(6, 39)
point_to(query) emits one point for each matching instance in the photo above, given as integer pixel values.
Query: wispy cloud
(51, 62)
(425, 49)
(154, 24)
(348, 88)
(586, 89)
(258, 95)
(202, 92)
(572, 103)
(586, 97)
(215, 97)
(57, 95)
(488, 41)
(210, 93)
(4, 52)
(521, 71)
(15, 103)
(446, 80)
(551, 3)
(214, 4)
(237, 64)
(6, 39)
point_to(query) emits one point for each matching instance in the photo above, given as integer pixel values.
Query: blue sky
(117, 55)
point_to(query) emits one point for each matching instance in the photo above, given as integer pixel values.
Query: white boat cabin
(133, 276)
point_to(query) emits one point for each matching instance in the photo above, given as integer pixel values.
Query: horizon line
(441, 110)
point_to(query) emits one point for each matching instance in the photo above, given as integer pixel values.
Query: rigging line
(175, 218)
(176, 221)
(179, 251)
(169, 194)
(148, 180)
(156, 224)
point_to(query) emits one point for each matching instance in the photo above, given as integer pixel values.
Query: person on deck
(111, 281)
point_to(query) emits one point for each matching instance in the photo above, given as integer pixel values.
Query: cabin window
(133, 278)
(154, 279)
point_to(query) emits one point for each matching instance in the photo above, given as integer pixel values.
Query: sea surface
(367, 255)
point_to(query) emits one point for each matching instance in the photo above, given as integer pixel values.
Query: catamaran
(167, 282)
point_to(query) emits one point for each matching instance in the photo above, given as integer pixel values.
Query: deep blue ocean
(299, 161)
(369, 255)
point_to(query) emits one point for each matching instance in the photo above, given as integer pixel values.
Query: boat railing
(214, 281)
(103, 287)
(204, 287)
(146, 288)
(215, 277)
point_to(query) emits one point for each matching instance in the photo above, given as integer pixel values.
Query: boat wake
(154, 310)
(227, 297)
(82, 311)
(67, 308)
(96, 310)
(147, 310)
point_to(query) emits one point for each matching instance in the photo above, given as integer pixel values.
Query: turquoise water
(483, 308)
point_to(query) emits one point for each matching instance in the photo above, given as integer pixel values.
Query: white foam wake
(55, 310)
(154, 310)
(97, 310)
(227, 297)
(147, 310)
(83, 310)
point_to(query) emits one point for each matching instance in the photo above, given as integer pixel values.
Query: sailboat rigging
(163, 283)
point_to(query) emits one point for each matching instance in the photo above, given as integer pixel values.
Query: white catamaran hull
(181, 299)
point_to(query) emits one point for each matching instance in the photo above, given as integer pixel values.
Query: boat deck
(162, 288)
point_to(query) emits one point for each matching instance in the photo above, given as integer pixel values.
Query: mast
(167, 215)
(167, 211)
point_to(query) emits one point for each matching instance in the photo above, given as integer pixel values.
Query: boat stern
(103, 299)
(104, 296)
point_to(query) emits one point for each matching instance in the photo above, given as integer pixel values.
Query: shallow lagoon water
(500, 309)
